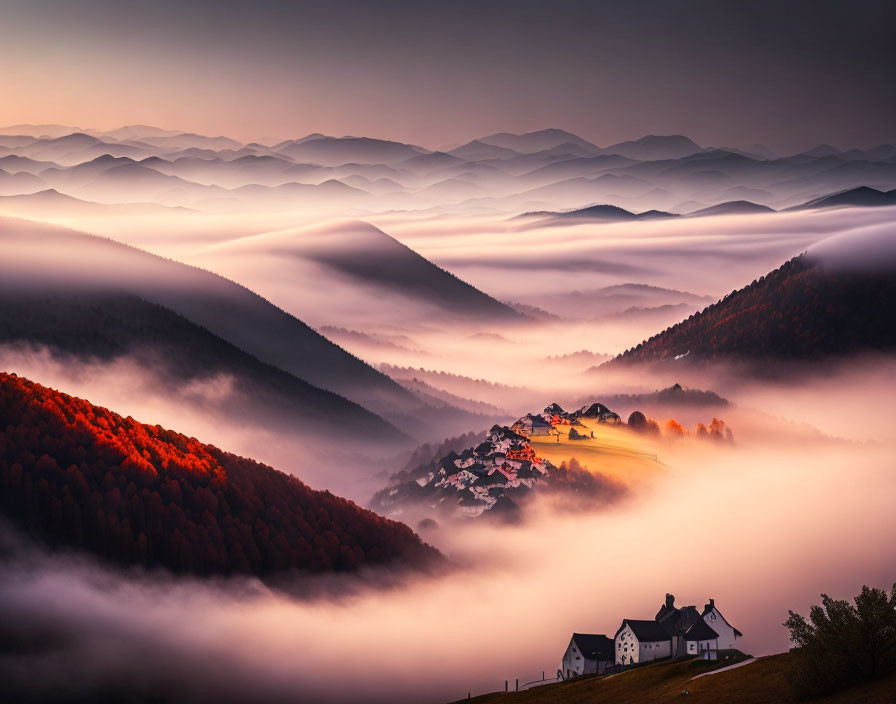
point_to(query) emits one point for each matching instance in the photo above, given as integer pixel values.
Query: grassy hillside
(761, 682)
(616, 452)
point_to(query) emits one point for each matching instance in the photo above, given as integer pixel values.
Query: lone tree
(842, 644)
(637, 421)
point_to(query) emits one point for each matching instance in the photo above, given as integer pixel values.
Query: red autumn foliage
(77, 475)
(674, 429)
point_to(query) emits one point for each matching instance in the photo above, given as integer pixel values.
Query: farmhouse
(532, 424)
(641, 641)
(599, 411)
(586, 654)
(728, 634)
(673, 633)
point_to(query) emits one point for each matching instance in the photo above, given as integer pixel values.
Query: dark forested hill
(802, 310)
(77, 475)
(106, 326)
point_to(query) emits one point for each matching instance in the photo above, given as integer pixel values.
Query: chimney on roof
(670, 600)
(711, 604)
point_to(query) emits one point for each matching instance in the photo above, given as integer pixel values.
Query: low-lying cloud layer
(761, 526)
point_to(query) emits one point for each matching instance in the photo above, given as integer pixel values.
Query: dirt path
(723, 669)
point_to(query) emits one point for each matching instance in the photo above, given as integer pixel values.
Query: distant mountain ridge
(862, 196)
(550, 169)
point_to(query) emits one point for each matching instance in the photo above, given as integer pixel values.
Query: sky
(789, 74)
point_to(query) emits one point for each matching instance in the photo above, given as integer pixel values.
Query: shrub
(843, 644)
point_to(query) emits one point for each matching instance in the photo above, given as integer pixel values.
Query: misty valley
(351, 419)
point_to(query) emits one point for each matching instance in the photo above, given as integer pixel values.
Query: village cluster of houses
(489, 476)
(550, 420)
(483, 475)
(673, 633)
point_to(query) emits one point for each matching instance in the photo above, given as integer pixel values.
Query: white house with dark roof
(674, 632)
(728, 634)
(586, 654)
(700, 639)
(641, 641)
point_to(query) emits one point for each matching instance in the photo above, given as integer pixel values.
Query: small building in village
(532, 425)
(599, 412)
(586, 654)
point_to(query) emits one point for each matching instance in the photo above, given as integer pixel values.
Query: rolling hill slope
(814, 306)
(764, 681)
(43, 256)
(79, 476)
(110, 326)
(365, 256)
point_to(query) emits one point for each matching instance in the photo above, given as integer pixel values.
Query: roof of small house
(594, 646)
(700, 630)
(484, 448)
(595, 409)
(678, 620)
(502, 431)
(708, 610)
(665, 612)
(645, 631)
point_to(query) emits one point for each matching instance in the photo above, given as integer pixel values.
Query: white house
(702, 640)
(530, 425)
(728, 634)
(586, 654)
(641, 641)
(675, 632)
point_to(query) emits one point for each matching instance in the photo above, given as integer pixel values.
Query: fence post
(517, 684)
(505, 685)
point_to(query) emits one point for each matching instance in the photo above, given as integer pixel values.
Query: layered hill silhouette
(808, 309)
(370, 257)
(60, 204)
(539, 141)
(550, 169)
(330, 151)
(79, 476)
(98, 326)
(733, 207)
(862, 196)
(655, 147)
(44, 257)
